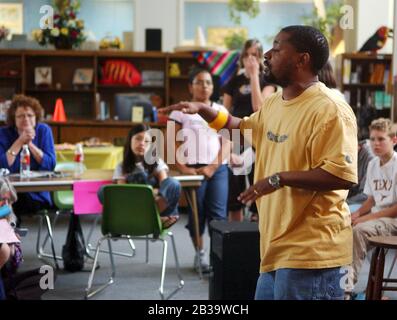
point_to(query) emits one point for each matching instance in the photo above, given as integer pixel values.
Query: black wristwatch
(274, 181)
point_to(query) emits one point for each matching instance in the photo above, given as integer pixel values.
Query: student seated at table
(204, 152)
(377, 216)
(24, 127)
(135, 169)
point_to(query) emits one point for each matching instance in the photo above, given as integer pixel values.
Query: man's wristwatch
(274, 181)
(12, 153)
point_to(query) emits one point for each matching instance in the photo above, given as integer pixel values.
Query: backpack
(73, 251)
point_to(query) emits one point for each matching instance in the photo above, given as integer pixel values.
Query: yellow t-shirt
(302, 228)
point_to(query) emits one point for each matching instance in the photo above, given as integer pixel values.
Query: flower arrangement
(4, 32)
(111, 43)
(67, 32)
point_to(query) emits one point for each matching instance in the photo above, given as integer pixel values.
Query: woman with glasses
(203, 152)
(243, 95)
(24, 128)
(139, 167)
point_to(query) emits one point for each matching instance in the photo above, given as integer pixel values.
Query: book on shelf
(347, 65)
(379, 96)
(386, 75)
(387, 100)
(377, 76)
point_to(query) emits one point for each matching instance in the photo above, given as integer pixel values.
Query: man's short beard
(270, 78)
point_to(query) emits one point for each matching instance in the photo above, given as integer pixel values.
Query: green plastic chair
(130, 212)
(64, 201)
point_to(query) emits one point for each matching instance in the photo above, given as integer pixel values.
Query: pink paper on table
(85, 196)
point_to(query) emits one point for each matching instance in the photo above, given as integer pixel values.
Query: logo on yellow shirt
(276, 138)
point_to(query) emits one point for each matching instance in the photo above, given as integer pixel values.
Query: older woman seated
(24, 128)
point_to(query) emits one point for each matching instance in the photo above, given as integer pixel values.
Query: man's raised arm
(217, 119)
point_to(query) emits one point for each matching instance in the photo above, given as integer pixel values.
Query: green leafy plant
(235, 41)
(239, 7)
(325, 25)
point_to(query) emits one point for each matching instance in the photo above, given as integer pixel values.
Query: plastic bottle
(24, 168)
(79, 159)
(155, 117)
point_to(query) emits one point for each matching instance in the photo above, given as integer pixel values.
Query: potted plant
(327, 24)
(67, 32)
(239, 7)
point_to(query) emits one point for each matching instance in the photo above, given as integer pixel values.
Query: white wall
(157, 14)
(371, 14)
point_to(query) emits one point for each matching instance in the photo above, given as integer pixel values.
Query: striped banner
(222, 64)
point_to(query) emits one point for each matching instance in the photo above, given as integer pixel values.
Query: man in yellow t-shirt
(306, 160)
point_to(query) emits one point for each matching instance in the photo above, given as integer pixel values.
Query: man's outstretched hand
(184, 106)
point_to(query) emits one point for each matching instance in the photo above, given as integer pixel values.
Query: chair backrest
(64, 199)
(130, 209)
(85, 194)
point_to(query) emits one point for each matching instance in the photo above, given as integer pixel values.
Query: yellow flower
(80, 24)
(37, 34)
(104, 44)
(65, 31)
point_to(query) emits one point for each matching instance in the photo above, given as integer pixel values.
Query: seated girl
(134, 169)
(7, 220)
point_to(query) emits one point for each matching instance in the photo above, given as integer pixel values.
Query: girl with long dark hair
(136, 168)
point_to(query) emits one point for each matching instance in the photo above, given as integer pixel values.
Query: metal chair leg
(94, 224)
(178, 269)
(49, 230)
(40, 247)
(163, 268)
(163, 265)
(147, 249)
(53, 227)
(111, 259)
(88, 292)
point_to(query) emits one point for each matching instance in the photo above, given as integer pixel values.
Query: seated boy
(377, 216)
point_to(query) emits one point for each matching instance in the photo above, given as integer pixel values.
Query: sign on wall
(11, 16)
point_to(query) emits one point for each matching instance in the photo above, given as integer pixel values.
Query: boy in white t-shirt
(378, 214)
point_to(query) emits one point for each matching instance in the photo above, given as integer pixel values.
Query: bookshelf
(82, 102)
(366, 81)
(17, 75)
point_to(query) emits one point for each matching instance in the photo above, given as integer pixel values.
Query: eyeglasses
(27, 115)
(145, 140)
(202, 83)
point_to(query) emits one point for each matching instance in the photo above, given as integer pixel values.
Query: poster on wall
(11, 16)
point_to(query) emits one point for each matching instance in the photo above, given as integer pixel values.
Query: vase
(63, 45)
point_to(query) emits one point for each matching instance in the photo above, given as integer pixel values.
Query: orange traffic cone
(59, 112)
